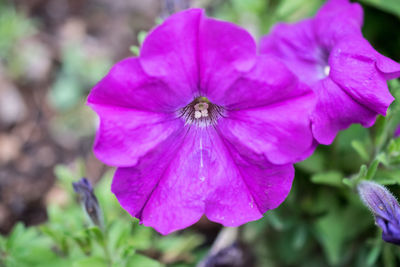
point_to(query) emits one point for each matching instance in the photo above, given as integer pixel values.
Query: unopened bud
(385, 208)
(89, 201)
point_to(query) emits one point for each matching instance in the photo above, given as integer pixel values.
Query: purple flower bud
(385, 208)
(230, 256)
(89, 201)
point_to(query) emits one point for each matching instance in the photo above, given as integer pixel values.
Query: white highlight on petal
(204, 113)
(201, 153)
(327, 70)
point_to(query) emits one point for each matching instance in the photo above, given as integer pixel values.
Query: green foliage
(391, 6)
(258, 16)
(68, 240)
(140, 37)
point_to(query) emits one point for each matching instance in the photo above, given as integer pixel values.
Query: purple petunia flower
(201, 124)
(385, 208)
(329, 53)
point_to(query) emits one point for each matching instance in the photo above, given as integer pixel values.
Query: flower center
(322, 57)
(201, 112)
(327, 70)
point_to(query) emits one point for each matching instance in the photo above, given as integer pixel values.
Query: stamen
(201, 112)
(197, 114)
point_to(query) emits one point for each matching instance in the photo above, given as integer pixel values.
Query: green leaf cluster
(67, 239)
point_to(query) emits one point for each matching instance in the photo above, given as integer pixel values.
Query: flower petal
(269, 82)
(126, 134)
(281, 131)
(296, 46)
(241, 191)
(353, 68)
(127, 85)
(225, 52)
(335, 111)
(198, 174)
(389, 68)
(336, 19)
(170, 52)
(165, 190)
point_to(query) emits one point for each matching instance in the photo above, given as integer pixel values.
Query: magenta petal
(336, 19)
(170, 52)
(296, 46)
(165, 190)
(389, 68)
(353, 68)
(198, 173)
(225, 52)
(269, 82)
(125, 134)
(126, 85)
(240, 192)
(189, 52)
(280, 131)
(343, 8)
(335, 111)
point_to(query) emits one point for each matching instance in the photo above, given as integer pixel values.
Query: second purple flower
(329, 53)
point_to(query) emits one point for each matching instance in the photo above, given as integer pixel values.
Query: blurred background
(52, 52)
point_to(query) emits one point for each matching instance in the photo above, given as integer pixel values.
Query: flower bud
(89, 201)
(385, 208)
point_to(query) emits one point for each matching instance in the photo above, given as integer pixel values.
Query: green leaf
(96, 233)
(390, 6)
(333, 178)
(140, 260)
(292, 10)
(372, 169)
(143, 237)
(15, 235)
(393, 151)
(388, 256)
(274, 220)
(118, 233)
(387, 177)
(380, 131)
(360, 149)
(91, 262)
(134, 50)
(65, 175)
(337, 227)
(299, 237)
(141, 36)
(353, 181)
(374, 254)
(313, 164)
